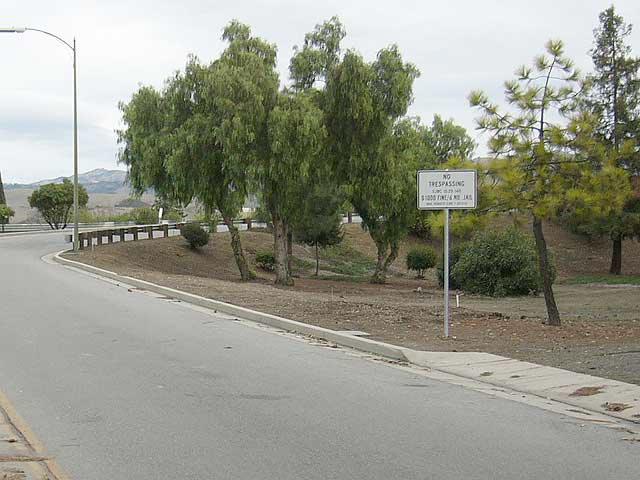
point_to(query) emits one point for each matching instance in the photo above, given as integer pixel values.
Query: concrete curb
(364, 344)
(545, 382)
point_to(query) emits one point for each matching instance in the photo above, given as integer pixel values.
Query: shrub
(454, 255)
(420, 226)
(173, 216)
(498, 263)
(266, 261)
(145, 216)
(6, 213)
(195, 235)
(420, 259)
(211, 219)
(262, 214)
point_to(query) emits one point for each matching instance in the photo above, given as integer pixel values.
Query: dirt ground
(600, 334)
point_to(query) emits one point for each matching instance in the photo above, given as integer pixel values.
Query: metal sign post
(446, 190)
(446, 272)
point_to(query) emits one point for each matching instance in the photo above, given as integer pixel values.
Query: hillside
(95, 181)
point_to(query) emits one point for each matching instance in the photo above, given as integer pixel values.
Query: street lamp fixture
(76, 243)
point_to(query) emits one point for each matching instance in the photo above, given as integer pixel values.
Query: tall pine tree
(614, 96)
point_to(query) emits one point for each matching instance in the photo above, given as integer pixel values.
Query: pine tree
(542, 158)
(614, 96)
(3, 199)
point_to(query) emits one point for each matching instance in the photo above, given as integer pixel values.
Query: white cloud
(458, 46)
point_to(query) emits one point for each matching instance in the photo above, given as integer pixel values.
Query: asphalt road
(121, 385)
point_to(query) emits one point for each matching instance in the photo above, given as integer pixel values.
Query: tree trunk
(545, 273)
(616, 256)
(380, 273)
(280, 252)
(289, 250)
(317, 261)
(243, 267)
(393, 254)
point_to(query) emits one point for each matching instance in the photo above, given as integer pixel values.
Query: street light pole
(76, 243)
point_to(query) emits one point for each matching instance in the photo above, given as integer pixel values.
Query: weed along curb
(593, 394)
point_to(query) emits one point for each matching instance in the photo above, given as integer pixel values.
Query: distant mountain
(99, 180)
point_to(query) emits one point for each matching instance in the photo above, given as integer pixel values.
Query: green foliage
(145, 216)
(445, 140)
(613, 89)
(604, 280)
(319, 54)
(420, 259)
(97, 216)
(212, 219)
(319, 221)
(612, 98)
(195, 235)
(498, 263)
(55, 202)
(6, 213)
(343, 259)
(131, 202)
(543, 162)
(203, 135)
(262, 214)
(173, 215)
(265, 260)
(454, 255)
(420, 226)
(373, 151)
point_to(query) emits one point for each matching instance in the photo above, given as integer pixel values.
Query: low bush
(454, 255)
(266, 261)
(195, 235)
(420, 259)
(145, 216)
(498, 263)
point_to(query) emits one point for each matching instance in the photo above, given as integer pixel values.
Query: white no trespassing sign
(447, 189)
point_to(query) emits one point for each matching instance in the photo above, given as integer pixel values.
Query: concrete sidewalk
(595, 394)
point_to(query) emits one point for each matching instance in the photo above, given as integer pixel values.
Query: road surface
(120, 385)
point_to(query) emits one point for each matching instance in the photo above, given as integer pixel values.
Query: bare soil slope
(600, 334)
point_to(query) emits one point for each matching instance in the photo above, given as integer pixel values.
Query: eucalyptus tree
(203, 136)
(444, 139)
(535, 150)
(296, 139)
(364, 103)
(366, 149)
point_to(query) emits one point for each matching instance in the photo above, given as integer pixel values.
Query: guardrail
(38, 227)
(86, 239)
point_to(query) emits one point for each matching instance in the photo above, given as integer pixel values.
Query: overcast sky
(458, 45)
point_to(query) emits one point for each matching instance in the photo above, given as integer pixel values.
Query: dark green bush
(420, 259)
(454, 255)
(195, 235)
(266, 261)
(498, 263)
(145, 216)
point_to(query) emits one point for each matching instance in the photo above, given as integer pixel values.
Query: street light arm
(51, 35)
